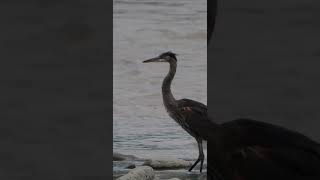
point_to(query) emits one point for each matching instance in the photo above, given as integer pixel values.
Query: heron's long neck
(166, 85)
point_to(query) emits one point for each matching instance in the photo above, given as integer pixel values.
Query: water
(144, 29)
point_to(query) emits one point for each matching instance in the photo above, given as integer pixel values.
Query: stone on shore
(122, 157)
(139, 173)
(130, 166)
(162, 164)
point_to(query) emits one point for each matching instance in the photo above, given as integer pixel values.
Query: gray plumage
(184, 111)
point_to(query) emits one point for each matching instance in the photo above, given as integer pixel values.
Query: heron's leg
(201, 156)
(195, 163)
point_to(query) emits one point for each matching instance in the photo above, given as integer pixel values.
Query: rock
(167, 163)
(123, 165)
(139, 173)
(122, 157)
(131, 166)
(180, 174)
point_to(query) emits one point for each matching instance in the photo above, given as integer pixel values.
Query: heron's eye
(168, 58)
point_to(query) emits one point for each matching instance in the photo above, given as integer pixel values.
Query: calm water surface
(144, 29)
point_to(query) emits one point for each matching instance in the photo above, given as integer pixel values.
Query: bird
(184, 110)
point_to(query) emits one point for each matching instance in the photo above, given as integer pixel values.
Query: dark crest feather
(169, 53)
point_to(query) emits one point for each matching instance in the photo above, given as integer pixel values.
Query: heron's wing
(194, 104)
(196, 118)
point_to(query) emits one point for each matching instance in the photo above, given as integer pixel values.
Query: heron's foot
(200, 159)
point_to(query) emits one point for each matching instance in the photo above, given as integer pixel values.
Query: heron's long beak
(156, 59)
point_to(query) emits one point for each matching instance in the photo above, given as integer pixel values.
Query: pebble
(131, 166)
(139, 173)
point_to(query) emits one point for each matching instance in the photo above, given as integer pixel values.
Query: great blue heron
(183, 111)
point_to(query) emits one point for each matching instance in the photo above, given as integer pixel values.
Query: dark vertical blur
(211, 17)
(56, 89)
(263, 63)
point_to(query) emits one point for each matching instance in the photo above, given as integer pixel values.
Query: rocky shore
(128, 167)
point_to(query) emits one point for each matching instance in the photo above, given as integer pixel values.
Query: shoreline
(161, 169)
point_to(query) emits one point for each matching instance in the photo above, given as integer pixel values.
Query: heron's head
(169, 57)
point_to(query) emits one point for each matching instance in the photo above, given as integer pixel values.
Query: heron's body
(177, 109)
